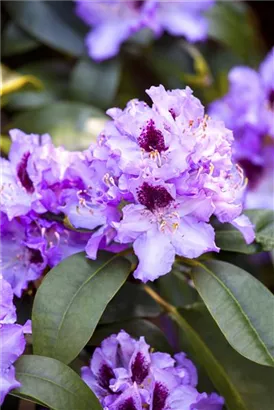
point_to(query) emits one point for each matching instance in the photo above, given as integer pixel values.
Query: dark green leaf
(136, 328)
(130, 302)
(263, 219)
(95, 83)
(54, 384)
(175, 289)
(231, 23)
(71, 124)
(205, 357)
(16, 41)
(230, 239)
(50, 24)
(252, 382)
(71, 300)
(242, 307)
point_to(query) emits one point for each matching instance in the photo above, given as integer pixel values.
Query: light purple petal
(155, 253)
(193, 238)
(243, 224)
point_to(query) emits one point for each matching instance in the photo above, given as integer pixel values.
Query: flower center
(153, 197)
(23, 174)
(152, 139)
(35, 256)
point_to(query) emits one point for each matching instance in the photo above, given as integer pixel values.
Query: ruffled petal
(155, 253)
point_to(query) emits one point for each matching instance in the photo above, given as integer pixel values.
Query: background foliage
(50, 85)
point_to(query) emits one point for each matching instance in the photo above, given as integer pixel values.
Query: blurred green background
(50, 85)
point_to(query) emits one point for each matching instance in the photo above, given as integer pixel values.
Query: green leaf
(48, 381)
(251, 383)
(72, 298)
(74, 125)
(230, 239)
(95, 83)
(175, 289)
(53, 73)
(130, 302)
(16, 41)
(205, 357)
(263, 219)
(53, 25)
(241, 306)
(231, 23)
(136, 328)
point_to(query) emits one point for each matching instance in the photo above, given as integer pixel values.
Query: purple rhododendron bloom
(126, 375)
(159, 174)
(12, 340)
(184, 18)
(23, 257)
(114, 21)
(248, 109)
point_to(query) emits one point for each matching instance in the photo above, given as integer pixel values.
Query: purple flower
(184, 18)
(23, 257)
(248, 110)
(12, 340)
(125, 375)
(168, 168)
(114, 21)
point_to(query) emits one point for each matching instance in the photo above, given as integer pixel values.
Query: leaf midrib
(179, 318)
(76, 293)
(237, 305)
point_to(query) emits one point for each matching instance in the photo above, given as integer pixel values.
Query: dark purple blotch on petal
(159, 396)
(152, 139)
(105, 375)
(139, 368)
(138, 4)
(153, 196)
(35, 256)
(23, 174)
(271, 98)
(127, 405)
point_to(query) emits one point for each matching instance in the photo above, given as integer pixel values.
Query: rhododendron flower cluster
(161, 172)
(113, 21)
(125, 374)
(152, 181)
(248, 109)
(12, 340)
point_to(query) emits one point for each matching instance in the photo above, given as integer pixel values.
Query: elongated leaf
(252, 383)
(210, 363)
(136, 328)
(53, 384)
(175, 289)
(71, 300)
(130, 302)
(11, 81)
(16, 41)
(95, 83)
(263, 219)
(49, 24)
(242, 307)
(230, 24)
(230, 239)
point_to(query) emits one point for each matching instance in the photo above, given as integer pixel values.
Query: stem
(167, 306)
